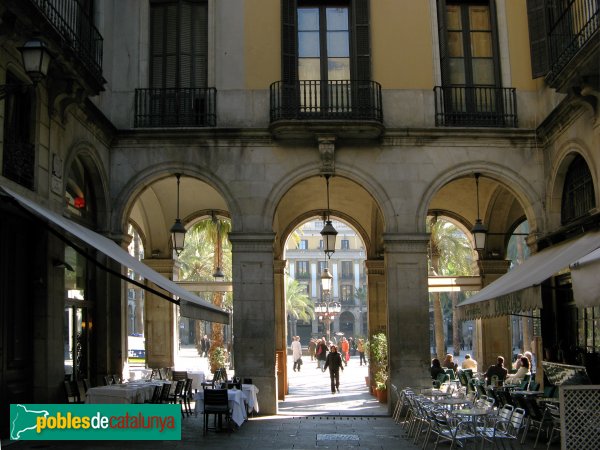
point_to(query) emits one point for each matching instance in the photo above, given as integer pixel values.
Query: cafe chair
(232, 385)
(552, 415)
(216, 403)
(187, 396)
(179, 375)
(165, 392)
(155, 395)
(71, 392)
(248, 381)
(508, 430)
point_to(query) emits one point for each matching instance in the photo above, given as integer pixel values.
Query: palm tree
(297, 303)
(451, 254)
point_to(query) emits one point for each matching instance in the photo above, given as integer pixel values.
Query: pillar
(280, 325)
(160, 321)
(493, 334)
(408, 308)
(254, 307)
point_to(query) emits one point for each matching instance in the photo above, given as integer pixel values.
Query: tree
(297, 303)
(450, 254)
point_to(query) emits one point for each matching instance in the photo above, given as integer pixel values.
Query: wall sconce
(36, 59)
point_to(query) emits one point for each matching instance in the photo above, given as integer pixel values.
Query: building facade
(252, 102)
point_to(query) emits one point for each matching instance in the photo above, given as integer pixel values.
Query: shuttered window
(537, 14)
(178, 44)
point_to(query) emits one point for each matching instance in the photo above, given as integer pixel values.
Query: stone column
(408, 308)
(254, 304)
(493, 334)
(280, 325)
(161, 332)
(376, 303)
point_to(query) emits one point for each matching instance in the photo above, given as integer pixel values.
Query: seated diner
(519, 376)
(497, 370)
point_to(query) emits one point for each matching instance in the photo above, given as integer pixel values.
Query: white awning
(584, 276)
(191, 305)
(518, 290)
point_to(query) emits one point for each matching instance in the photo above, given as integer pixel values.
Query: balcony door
(324, 58)
(470, 73)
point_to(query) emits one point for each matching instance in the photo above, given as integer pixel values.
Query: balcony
(478, 106)
(574, 44)
(175, 107)
(345, 108)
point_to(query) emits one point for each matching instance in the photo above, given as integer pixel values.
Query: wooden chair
(155, 395)
(187, 396)
(165, 392)
(177, 375)
(216, 402)
(71, 393)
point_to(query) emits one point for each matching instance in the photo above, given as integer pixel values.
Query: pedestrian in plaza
(352, 342)
(436, 368)
(361, 351)
(334, 363)
(321, 353)
(345, 351)
(297, 353)
(449, 362)
(312, 347)
(204, 346)
(497, 370)
(469, 363)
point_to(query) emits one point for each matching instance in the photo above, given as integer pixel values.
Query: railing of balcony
(77, 29)
(331, 100)
(175, 107)
(478, 106)
(570, 30)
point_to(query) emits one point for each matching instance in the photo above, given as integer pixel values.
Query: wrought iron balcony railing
(478, 106)
(331, 100)
(175, 107)
(571, 29)
(77, 30)
(18, 163)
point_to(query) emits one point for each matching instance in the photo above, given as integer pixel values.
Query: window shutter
(443, 39)
(538, 37)
(361, 40)
(289, 44)
(157, 18)
(200, 45)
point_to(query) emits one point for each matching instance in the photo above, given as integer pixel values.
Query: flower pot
(381, 395)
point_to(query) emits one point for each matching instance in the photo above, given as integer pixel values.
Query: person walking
(297, 353)
(204, 346)
(321, 353)
(312, 347)
(361, 351)
(345, 351)
(334, 363)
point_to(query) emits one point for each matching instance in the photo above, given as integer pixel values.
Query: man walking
(204, 345)
(334, 362)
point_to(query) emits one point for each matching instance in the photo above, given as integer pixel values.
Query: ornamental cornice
(252, 242)
(406, 243)
(221, 137)
(493, 266)
(375, 266)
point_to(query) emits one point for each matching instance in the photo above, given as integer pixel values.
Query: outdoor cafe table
(137, 392)
(472, 414)
(434, 393)
(197, 377)
(237, 403)
(452, 402)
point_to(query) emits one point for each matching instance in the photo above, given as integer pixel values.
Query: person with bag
(321, 353)
(334, 363)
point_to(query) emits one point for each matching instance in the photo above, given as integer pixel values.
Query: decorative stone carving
(327, 152)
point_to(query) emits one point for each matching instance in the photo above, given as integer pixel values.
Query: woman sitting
(449, 363)
(522, 372)
(436, 368)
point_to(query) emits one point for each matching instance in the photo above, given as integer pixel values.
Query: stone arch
(92, 162)
(565, 156)
(523, 190)
(130, 190)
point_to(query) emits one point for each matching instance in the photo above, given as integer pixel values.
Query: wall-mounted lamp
(479, 230)
(178, 230)
(328, 232)
(58, 264)
(36, 59)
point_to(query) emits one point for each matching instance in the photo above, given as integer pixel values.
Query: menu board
(563, 374)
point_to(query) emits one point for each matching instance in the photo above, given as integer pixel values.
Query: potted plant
(366, 351)
(378, 361)
(217, 358)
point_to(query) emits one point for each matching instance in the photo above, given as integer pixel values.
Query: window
(347, 271)
(322, 265)
(18, 162)
(588, 324)
(302, 271)
(303, 245)
(178, 64)
(469, 64)
(325, 46)
(345, 244)
(347, 293)
(578, 192)
(321, 244)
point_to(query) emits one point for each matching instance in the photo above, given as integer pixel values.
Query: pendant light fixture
(479, 230)
(178, 230)
(328, 232)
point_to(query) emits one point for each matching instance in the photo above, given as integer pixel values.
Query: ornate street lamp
(327, 310)
(178, 230)
(479, 230)
(36, 59)
(328, 232)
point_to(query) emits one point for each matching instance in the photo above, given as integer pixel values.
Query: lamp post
(327, 310)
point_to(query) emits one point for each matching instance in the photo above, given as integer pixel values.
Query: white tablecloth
(121, 393)
(197, 377)
(237, 404)
(250, 392)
